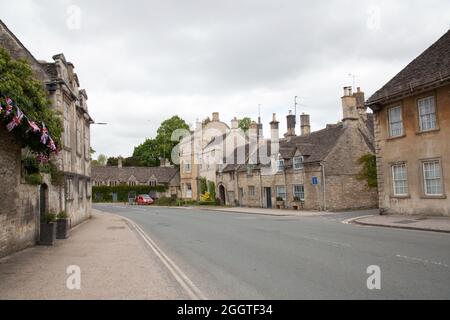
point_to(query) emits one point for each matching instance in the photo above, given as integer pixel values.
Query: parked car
(144, 199)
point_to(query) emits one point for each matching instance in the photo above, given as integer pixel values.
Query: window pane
(400, 180)
(432, 178)
(427, 113)
(395, 122)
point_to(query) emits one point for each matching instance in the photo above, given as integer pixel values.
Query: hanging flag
(33, 126)
(51, 144)
(15, 121)
(9, 106)
(44, 136)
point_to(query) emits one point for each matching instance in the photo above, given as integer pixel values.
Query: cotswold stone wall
(18, 202)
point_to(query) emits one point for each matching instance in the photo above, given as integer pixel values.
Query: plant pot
(47, 235)
(280, 204)
(62, 228)
(298, 205)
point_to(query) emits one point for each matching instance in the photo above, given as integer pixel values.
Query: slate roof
(163, 175)
(431, 68)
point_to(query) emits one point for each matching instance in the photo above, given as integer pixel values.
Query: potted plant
(280, 202)
(298, 203)
(47, 233)
(63, 225)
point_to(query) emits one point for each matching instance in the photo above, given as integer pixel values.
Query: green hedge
(104, 193)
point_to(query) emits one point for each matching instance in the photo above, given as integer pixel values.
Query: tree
(101, 159)
(244, 124)
(18, 83)
(147, 153)
(164, 136)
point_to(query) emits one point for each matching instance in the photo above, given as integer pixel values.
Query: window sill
(427, 131)
(401, 197)
(395, 138)
(433, 197)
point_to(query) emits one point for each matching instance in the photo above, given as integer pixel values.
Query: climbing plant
(369, 170)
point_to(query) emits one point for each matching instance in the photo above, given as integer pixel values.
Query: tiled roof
(430, 68)
(163, 175)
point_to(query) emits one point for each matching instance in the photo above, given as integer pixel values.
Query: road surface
(244, 256)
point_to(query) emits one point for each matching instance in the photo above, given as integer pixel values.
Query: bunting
(17, 120)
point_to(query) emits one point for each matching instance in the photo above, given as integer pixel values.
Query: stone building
(21, 205)
(167, 176)
(314, 170)
(412, 130)
(195, 160)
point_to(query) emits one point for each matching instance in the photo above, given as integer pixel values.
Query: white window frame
(398, 121)
(280, 164)
(297, 193)
(298, 162)
(438, 178)
(427, 118)
(187, 167)
(281, 194)
(251, 191)
(394, 180)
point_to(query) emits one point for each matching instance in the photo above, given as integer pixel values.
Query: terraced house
(22, 204)
(412, 130)
(314, 170)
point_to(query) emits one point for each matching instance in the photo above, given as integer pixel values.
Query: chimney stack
(349, 110)
(360, 104)
(234, 123)
(290, 124)
(305, 126)
(260, 128)
(274, 136)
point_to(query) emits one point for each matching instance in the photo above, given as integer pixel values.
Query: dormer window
(280, 164)
(152, 182)
(298, 162)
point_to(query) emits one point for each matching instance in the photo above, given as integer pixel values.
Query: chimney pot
(305, 127)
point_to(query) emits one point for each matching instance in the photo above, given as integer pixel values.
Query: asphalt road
(243, 256)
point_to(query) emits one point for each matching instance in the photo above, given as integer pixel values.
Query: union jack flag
(51, 144)
(9, 107)
(34, 126)
(44, 136)
(15, 121)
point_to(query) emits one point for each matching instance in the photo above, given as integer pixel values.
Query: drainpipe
(261, 190)
(324, 187)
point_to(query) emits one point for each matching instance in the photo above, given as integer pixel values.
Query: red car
(144, 199)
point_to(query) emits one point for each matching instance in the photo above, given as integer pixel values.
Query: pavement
(236, 255)
(115, 263)
(425, 223)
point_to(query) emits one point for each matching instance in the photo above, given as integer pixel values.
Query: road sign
(315, 181)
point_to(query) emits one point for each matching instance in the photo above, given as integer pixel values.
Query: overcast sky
(144, 61)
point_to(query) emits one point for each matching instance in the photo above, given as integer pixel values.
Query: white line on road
(423, 261)
(184, 281)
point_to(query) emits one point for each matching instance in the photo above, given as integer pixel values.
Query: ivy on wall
(19, 88)
(369, 170)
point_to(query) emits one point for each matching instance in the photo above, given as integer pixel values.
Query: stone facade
(412, 130)
(196, 156)
(313, 171)
(21, 205)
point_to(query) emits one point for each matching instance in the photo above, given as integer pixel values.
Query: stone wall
(19, 203)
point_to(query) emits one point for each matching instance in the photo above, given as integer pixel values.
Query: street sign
(315, 181)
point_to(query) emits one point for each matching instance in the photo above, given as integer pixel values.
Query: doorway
(222, 194)
(268, 196)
